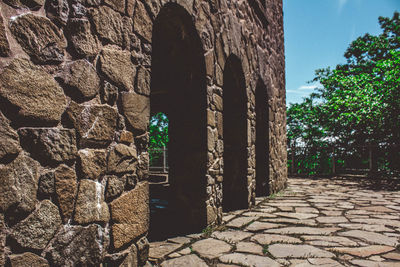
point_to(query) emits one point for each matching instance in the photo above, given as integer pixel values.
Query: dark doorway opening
(178, 89)
(262, 140)
(235, 188)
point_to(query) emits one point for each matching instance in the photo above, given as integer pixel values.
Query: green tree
(158, 131)
(359, 101)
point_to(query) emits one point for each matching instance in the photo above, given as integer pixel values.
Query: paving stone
(378, 209)
(266, 239)
(249, 247)
(367, 263)
(392, 256)
(188, 260)
(248, 260)
(331, 220)
(306, 210)
(366, 227)
(211, 248)
(241, 221)
(320, 262)
(308, 222)
(158, 250)
(392, 223)
(370, 237)
(340, 240)
(260, 226)
(303, 230)
(363, 251)
(300, 216)
(298, 251)
(179, 240)
(231, 236)
(226, 218)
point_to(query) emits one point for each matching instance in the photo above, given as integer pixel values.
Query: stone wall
(74, 111)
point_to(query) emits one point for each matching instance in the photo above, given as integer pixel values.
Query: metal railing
(333, 160)
(158, 160)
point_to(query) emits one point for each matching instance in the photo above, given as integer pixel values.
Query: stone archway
(262, 140)
(235, 187)
(178, 89)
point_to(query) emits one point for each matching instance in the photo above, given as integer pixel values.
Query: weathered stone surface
(142, 23)
(303, 230)
(81, 37)
(78, 246)
(93, 163)
(231, 236)
(38, 228)
(126, 137)
(49, 145)
(136, 109)
(18, 184)
(211, 248)
(260, 226)
(130, 213)
(66, 187)
(117, 5)
(370, 237)
(363, 251)
(46, 187)
(298, 251)
(143, 81)
(122, 159)
(328, 240)
(9, 140)
(370, 263)
(3, 236)
(188, 260)
(366, 227)
(57, 11)
(111, 26)
(266, 239)
(143, 247)
(392, 256)
(39, 38)
(115, 187)
(90, 206)
(248, 260)
(36, 95)
(95, 124)
(249, 247)
(118, 67)
(296, 215)
(332, 220)
(27, 259)
(109, 93)
(241, 221)
(4, 45)
(81, 80)
(159, 250)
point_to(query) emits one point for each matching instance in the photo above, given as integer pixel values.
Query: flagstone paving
(314, 222)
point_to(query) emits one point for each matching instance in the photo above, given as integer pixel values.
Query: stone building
(78, 82)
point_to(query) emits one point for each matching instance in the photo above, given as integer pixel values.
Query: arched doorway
(235, 188)
(178, 89)
(262, 140)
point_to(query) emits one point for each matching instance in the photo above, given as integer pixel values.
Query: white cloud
(307, 87)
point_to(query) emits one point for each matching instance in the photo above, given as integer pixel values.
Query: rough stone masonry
(75, 97)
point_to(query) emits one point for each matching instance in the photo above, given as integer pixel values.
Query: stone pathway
(321, 222)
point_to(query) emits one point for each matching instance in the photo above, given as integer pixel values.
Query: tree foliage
(359, 101)
(158, 130)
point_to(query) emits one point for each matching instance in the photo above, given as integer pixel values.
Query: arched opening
(235, 188)
(178, 89)
(262, 140)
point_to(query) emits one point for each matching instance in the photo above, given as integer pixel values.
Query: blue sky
(318, 32)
